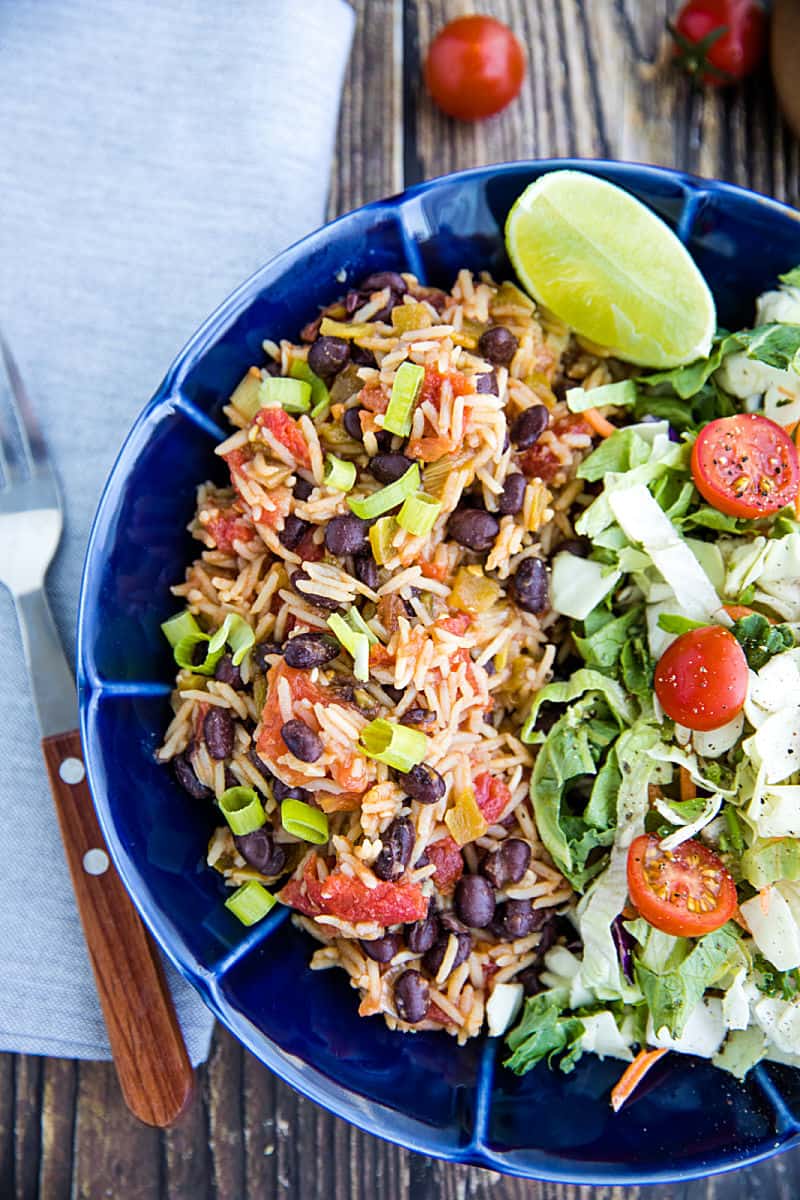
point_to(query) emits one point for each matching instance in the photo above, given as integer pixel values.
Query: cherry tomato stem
(719, 41)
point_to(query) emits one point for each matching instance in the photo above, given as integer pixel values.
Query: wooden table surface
(64, 1132)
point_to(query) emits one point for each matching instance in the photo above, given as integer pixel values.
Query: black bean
(226, 672)
(273, 368)
(382, 949)
(379, 280)
(422, 784)
(513, 495)
(261, 851)
(473, 528)
(184, 773)
(346, 535)
(328, 355)
(434, 957)
(258, 762)
(531, 983)
(411, 996)
(281, 791)
(365, 570)
(394, 694)
(218, 732)
(362, 357)
(312, 597)
(352, 423)
(508, 863)
(293, 531)
(529, 587)
(498, 345)
(261, 653)
(529, 426)
(309, 650)
(451, 923)
(422, 934)
(520, 918)
(302, 489)
(580, 547)
(418, 716)
(397, 842)
(301, 741)
(387, 468)
(487, 383)
(474, 901)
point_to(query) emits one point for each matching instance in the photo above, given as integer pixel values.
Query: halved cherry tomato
(745, 466)
(720, 41)
(474, 68)
(701, 678)
(686, 892)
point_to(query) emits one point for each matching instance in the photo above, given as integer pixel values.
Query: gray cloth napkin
(151, 157)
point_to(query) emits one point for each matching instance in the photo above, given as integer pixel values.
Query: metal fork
(146, 1041)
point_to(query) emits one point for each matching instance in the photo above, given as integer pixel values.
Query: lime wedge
(609, 268)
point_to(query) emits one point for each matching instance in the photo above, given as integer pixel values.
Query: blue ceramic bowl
(422, 1091)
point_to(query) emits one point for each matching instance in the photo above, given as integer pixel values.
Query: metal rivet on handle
(72, 770)
(95, 862)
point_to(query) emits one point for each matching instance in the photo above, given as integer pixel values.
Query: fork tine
(29, 430)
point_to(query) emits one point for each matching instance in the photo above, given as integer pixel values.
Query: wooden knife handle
(146, 1040)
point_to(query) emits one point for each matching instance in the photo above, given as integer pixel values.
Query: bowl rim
(371, 1116)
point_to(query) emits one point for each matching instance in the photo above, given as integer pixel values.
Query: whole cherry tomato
(474, 68)
(720, 41)
(701, 678)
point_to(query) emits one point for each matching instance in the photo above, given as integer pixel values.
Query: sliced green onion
(356, 644)
(395, 745)
(342, 329)
(182, 625)
(251, 902)
(418, 514)
(304, 821)
(381, 535)
(622, 394)
(245, 397)
(339, 474)
(234, 631)
(320, 396)
(360, 625)
(388, 497)
(405, 389)
(292, 395)
(184, 635)
(242, 809)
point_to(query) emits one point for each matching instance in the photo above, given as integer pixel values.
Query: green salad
(666, 784)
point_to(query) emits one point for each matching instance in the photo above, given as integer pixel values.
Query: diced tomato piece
(346, 897)
(284, 429)
(434, 1013)
(374, 398)
(229, 527)
(308, 549)
(379, 656)
(434, 570)
(237, 458)
(446, 856)
(491, 795)
(540, 462)
(430, 449)
(458, 623)
(281, 499)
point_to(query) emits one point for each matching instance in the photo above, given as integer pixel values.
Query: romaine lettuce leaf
(579, 683)
(545, 1030)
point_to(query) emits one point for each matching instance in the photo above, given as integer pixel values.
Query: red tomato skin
(745, 466)
(229, 527)
(701, 678)
(446, 856)
(491, 795)
(347, 898)
(474, 68)
(733, 55)
(677, 872)
(285, 430)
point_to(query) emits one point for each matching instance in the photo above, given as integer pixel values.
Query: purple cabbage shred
(624, 943)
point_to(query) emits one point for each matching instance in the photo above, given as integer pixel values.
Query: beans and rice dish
(429, 886)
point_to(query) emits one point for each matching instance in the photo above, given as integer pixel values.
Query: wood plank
(368, 160)
(57, 1123)
(224, 1100)
(115, 1154)
(186, 1151)
(27, 1126)
(7, 1075)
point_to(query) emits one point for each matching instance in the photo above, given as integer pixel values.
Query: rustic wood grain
(146, 1040)
(65, 1133)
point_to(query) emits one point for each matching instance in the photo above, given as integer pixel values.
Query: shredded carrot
(598, 423)
(736, 916)
(630, 913)
(633, 1075)
(687, 787)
